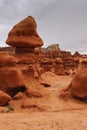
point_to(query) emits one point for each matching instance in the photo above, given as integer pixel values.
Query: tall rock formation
(24, 36)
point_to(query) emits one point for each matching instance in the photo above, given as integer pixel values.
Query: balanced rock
(24, 36)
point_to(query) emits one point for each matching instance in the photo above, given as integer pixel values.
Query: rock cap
(24, 34)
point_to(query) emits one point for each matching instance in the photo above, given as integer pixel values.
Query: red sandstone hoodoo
(24, 36)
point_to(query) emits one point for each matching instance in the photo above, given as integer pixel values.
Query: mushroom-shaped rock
(24, 36)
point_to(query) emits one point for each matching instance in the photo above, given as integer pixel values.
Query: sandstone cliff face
(24, 36)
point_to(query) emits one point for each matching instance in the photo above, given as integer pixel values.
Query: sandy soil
(64, 120)
(48, 113)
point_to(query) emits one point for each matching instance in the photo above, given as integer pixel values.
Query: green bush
(10, 108)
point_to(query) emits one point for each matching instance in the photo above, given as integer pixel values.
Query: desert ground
(51, 112)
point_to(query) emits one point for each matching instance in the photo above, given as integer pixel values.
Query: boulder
(78, 85)
(11, 81)
(4, 98)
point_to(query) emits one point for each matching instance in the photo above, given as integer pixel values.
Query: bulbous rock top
(24, 34)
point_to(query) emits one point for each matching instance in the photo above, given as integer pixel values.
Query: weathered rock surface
(53, 65)
(8, 49)
(7, 60)
(18, 96)
(35, 89)
(24, 36)
(47, 64)
(58, 66)
(11, 81)
(4, 98)
(69, 61)
(79, 84)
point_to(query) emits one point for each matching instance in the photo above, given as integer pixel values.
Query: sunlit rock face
(24, 36)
